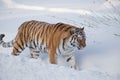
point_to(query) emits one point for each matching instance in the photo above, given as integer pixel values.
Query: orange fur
(42, 37)
(50, 34)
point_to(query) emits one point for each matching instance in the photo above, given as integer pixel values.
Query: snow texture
(99, 60)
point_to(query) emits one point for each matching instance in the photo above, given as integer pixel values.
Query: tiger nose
(83, 43)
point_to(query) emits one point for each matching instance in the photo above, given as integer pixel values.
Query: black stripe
(19, 46)
(44, 29)
(1, 36)
(27, 45)
(71, 39)
(34, 29)
(62, 27)
(38, 39)
(31, 47)
(21, 42)
(47, 34)
(63, 45)
(37, 32)
(42, 32)
(57, 26)
(47, 29)
(17, 50)
(30, 24)
(31, 27)
(59, 50)
(67, 29)
(33, 32)
(36, 51)
(41, 44)
(38, 35)
(68, 59)
(25, 30)
(34, 44)
(30, 43)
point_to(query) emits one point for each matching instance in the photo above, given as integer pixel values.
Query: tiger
(42, 37)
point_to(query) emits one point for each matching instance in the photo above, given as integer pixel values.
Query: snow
(100, 60)
(19, 68)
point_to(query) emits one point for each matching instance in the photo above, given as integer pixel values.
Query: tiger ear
(82, 28)
(74, 31)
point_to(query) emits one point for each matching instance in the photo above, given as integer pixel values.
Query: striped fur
(41, 37)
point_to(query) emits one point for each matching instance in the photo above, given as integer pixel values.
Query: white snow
(100, 60)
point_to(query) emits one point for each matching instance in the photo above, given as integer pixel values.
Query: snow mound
(24, 68)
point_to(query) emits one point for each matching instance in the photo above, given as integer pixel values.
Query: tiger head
(78, 38)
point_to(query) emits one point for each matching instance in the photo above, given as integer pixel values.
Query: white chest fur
(65, 49)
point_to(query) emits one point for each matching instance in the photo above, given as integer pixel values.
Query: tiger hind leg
(34, 53)
(17, 48)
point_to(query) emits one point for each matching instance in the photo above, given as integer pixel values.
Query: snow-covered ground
(100, 60)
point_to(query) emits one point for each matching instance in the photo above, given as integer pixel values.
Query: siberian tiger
(40, 37)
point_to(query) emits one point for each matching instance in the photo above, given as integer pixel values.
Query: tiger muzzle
(83, 43)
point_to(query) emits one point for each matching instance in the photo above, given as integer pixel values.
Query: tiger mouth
(79, 48)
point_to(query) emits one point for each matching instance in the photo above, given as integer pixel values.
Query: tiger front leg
(52, 56)
(71, 61)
